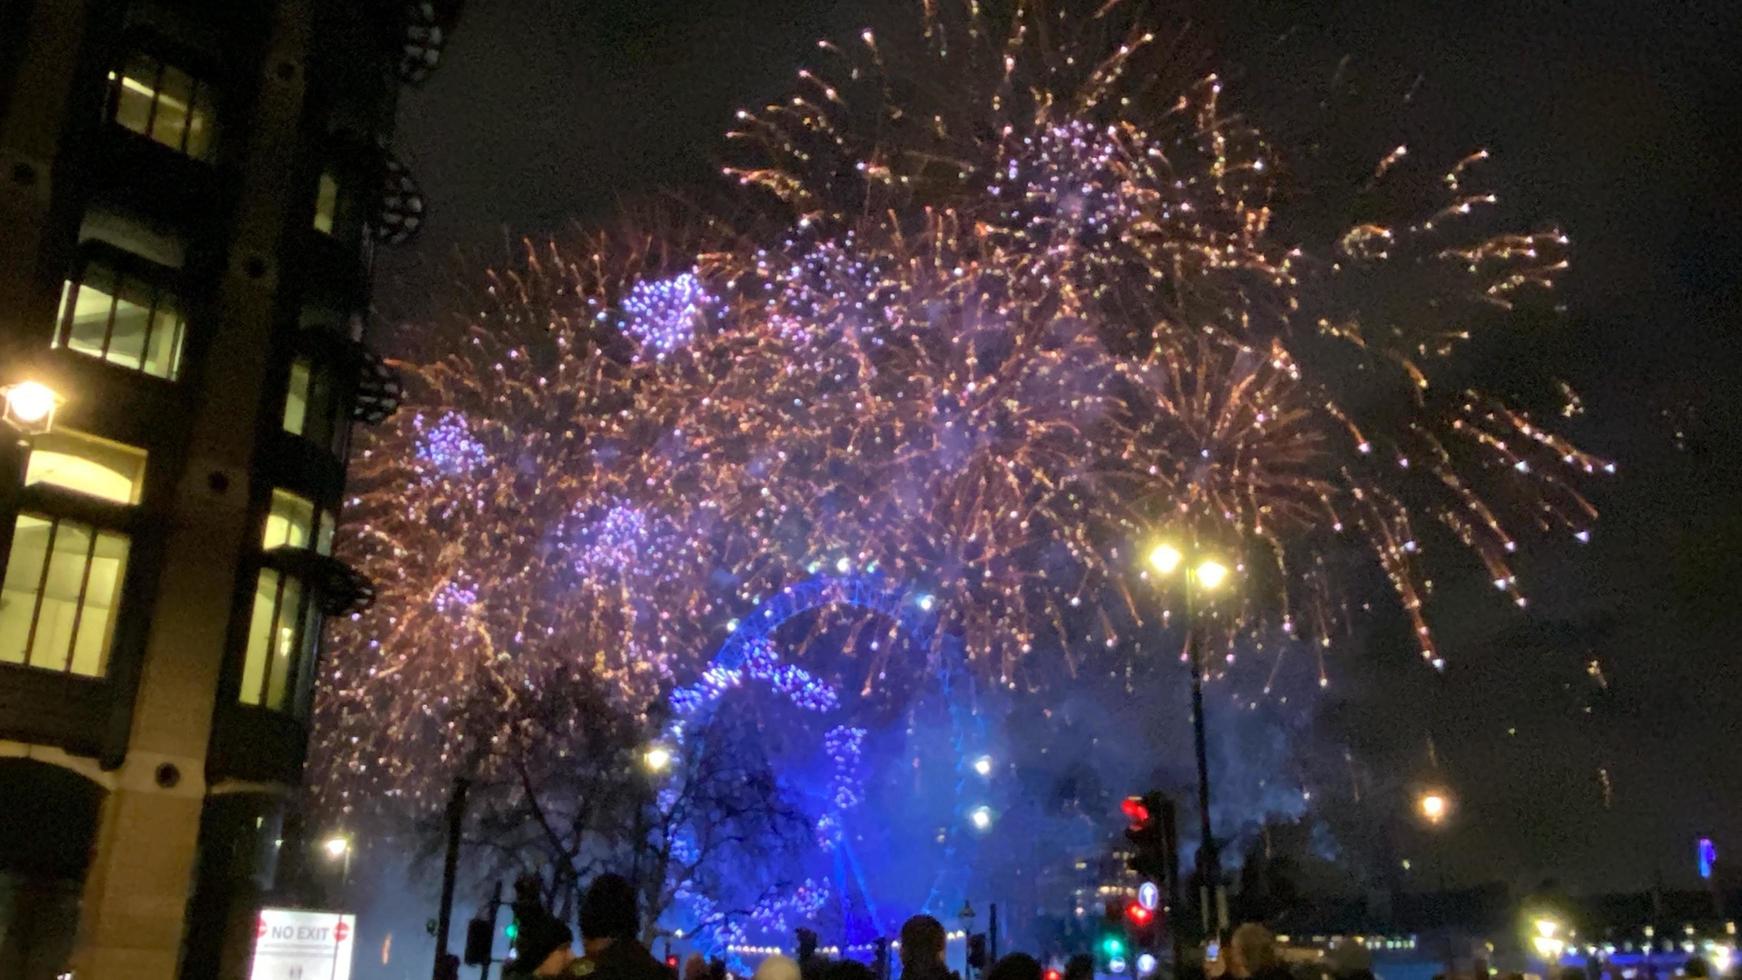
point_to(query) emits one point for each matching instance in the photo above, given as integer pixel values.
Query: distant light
(981, 817)
(1145, 964)
(657, 758)
(983, 765)
(1212, 573)
(1434, 806)
(1165, 558)
(843, 566)
(1708, 857)
(336, 846)
(926, 602)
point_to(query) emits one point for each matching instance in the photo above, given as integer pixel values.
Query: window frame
(201, 94)
(307, 622)
(118, 605)
(100, 515)
(163, 282)
(289, 564)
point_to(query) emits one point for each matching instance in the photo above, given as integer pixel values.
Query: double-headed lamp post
(1199, 573)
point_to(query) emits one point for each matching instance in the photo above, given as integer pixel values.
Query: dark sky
(1618, 120)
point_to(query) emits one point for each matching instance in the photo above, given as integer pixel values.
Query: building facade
(191, 193)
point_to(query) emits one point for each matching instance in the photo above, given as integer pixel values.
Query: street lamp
(29, 406)
(983, 765)
(1434, 806)
(981, 818)
(1206, 574)
(657, 758)
(338, 848)
(1547, 940)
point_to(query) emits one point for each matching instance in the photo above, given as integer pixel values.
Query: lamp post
(1206, 573)
(338, 848)
(656, 761)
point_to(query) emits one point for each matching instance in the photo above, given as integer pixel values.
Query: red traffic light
(1052, 974)
(1135, 809)
(1137, 915)
(671, 961)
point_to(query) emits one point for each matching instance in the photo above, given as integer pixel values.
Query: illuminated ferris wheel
(846, 819)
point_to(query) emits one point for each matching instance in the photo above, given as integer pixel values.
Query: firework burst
(1010, 305)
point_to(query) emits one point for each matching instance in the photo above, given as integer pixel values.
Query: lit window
(60, 595)
(310, 406)
(324, 533)
(290, 523)
(86, 465)
(282, 631)
(296, 399)
(164, 103)
(123, 319)
(326, 202)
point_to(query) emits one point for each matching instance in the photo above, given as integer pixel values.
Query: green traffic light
(513, 930)
(1113, 946)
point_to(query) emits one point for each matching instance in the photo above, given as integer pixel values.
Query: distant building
(190, 196)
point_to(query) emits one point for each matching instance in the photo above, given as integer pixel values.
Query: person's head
(1251, 951)
(777, 967)
(543, 946)
(1016, 966)
(1080, 967)
(922, 942)
(848, 970)
(695, 968)
(609, 912)
(1350, 959)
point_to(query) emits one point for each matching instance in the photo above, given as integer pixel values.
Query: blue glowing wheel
(941, 732)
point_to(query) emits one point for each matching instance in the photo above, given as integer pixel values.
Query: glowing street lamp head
(1211, 573)
(983, 765)
(981, 818)
(657, 758)
(336, 846)
(30, 405)
(1434, 806)
(1165, 559)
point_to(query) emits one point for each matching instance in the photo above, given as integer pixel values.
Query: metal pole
(450, 869)
(1170, 831)
(992, 935)
(1209, 862)
(495, 907)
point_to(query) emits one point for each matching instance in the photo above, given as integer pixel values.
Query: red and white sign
(300, 944)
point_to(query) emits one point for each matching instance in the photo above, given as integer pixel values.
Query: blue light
(1149, 896)
(1708, 857)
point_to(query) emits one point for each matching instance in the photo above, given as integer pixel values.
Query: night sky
(1616, 120)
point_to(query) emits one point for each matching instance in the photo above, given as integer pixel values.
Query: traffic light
(671, 961)
(1110, 948)
(977, 951)
(1148, 835)
(479, 942)
(1138, 916)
